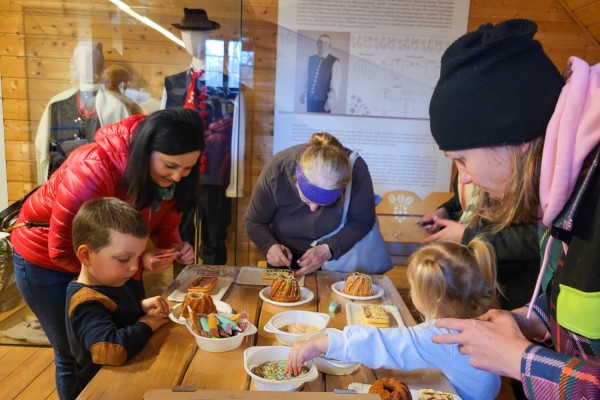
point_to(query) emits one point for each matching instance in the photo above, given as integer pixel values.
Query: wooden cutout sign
(400, 210)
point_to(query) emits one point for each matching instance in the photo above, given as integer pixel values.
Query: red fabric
(196, 99)
(215, 162)
(91, 171)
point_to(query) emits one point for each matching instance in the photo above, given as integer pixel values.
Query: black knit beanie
(496, 87)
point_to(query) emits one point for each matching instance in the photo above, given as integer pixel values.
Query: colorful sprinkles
(273, 370)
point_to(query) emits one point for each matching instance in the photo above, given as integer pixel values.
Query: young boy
(107, 323)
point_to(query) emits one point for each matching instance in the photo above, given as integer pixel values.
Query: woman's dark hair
(173, 131)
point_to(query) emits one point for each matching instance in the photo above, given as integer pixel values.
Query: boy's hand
(303, 351)
(156, 303)
(154, 319)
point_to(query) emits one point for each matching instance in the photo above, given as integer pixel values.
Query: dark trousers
(213, 211)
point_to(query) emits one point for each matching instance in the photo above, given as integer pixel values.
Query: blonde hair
(454, 280)
(325, 154)
(522, 190)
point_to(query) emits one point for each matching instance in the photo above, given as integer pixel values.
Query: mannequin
(220, 177)
(72, 117)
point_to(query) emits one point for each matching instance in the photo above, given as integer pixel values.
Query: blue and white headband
(314, 193)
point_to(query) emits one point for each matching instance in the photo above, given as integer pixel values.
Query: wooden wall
(37, 39)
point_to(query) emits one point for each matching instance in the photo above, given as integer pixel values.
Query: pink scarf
(572, 133)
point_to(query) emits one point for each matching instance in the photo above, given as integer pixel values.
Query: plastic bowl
(257, 355)
(334, 367)
(277, 321)
(220, 345)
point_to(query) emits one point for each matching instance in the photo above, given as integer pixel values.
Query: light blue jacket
(412, 348)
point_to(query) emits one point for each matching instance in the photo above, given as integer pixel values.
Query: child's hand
(155, 303)
(154, 319)
(303, 351)
(158, 260)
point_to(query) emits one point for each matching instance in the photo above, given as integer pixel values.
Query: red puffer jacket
(91, 171)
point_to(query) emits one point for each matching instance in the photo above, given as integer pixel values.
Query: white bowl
(257, 355)
(277, 321)
(219, 345)
(334, 367)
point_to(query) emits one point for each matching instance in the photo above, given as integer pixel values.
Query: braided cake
(285, 290)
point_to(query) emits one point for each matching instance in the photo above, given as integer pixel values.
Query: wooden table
(172, 358)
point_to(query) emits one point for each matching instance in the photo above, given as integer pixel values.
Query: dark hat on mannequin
(496, 87)
(195, 19)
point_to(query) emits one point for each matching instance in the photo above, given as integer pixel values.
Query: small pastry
(358, 284)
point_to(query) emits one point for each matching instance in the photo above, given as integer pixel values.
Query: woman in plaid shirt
(501, 112)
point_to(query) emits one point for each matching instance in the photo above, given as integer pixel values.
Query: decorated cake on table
(358, 284)
(197, 302)
(391, 389)
(285, 290)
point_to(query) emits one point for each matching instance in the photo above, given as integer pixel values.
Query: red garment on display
(195, 98)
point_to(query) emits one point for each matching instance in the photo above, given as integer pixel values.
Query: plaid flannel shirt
(569, 371)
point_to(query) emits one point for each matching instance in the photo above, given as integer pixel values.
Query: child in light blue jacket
(447, 279)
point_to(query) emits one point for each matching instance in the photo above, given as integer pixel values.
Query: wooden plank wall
(37, 39)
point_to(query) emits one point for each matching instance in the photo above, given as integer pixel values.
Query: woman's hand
(446, 229)
(303, 351)
(313, 259)
(186, 253)
(532, 328)
(493, 342)
(279, 256)
(156, 303)
(429, 221)
(158, 260)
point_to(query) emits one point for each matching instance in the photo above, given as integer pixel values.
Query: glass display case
(69, 68)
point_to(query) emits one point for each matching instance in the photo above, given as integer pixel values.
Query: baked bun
(203, 284)
(391, 389)
(199, 303)
(358, 284)
(285, 290)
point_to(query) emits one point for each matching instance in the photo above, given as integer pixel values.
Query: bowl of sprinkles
(266, 364)
(291, 326)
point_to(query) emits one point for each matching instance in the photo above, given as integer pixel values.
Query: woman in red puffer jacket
(150, 162)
